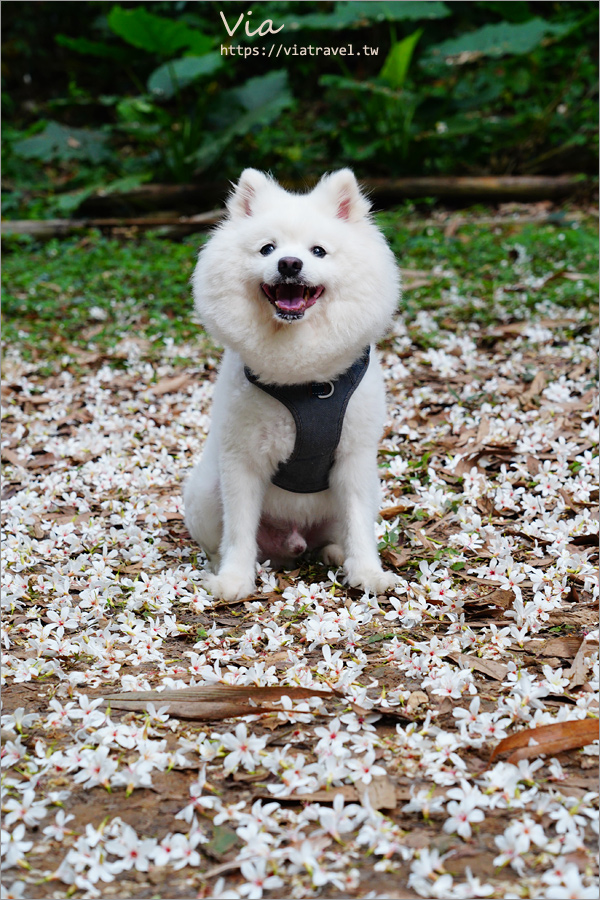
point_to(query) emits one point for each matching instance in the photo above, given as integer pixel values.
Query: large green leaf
(58, 142)
(502, 39)
(173, 76)
(92, 48)
(398, 60)
(156, 34)
(69, 201)
(259, 92)
(264, 98)
(509, 10)
(363, 12)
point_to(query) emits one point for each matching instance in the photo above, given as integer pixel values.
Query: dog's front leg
(242, 491)
(357, 490)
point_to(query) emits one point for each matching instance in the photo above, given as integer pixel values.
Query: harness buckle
(329, 394)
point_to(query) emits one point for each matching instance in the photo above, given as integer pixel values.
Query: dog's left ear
(342, 191)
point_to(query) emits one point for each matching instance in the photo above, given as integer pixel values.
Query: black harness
(318, 410)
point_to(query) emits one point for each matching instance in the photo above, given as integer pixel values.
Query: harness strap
(318, 410)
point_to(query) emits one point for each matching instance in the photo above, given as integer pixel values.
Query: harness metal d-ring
(331, 390)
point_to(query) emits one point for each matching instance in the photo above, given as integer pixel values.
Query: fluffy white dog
(297, 288)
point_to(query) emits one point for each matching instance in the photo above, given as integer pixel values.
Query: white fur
(230, 489)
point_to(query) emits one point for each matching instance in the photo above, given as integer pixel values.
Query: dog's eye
(318, 251)
(268, 248)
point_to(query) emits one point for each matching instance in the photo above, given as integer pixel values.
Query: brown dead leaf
(466, 463)
(396, 559)
(37, 399)
(171, 385)
(483, 430)
(536, 387)
(381, 794)
(393, 713)
(578, 673)
(580, 616)
(499, 597)
(533, 465)
(548, 739)
(214, 702)
(249, 777)
(13, 458)
(563, 647)
(41, 461)
(486, 666)
(348, 792)
(418, 536)
(584, 540)
(416, 699)
(391, 512)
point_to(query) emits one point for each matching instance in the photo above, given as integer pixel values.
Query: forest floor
(436, 741)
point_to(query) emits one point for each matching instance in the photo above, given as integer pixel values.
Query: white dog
(297, 288)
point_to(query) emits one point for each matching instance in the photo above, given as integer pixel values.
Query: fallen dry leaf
(578, 673)
(396, 559)
(13, 458)
(41, 461)
(171, 385)
(548, 739)
(563, 647)
(536, 387)
(381, 794)
(214, 702)
(488, 667)
(390, 512)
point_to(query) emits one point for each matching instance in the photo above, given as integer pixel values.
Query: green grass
(91, 291)
(478, 260)
(95, 290)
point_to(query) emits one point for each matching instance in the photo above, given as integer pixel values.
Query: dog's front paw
(229, 585)
(374, 580)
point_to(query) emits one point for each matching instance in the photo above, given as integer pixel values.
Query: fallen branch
(524, 188)
(48, 228)
(186, 197)
(385, 191)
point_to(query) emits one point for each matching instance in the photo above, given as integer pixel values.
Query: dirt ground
(437, 741)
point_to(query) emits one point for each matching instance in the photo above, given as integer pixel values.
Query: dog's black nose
(289, 266)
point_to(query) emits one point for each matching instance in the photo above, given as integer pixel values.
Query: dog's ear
(341, 190)
(242, 200)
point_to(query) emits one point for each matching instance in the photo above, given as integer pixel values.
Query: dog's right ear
(242, 200)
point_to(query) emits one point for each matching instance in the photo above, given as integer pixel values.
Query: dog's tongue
(290, 297)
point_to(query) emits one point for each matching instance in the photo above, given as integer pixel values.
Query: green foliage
(142, 287)
(57, 142)
(502, 39)
(92, 48)
(396, 65)
(48, 291)
(176, 75)
(362, 12)
(158, 91)
(156, 34)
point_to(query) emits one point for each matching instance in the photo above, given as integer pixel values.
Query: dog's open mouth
(291, 299)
